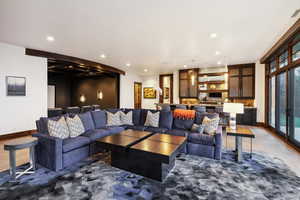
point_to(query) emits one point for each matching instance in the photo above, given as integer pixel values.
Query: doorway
(137, 95)
(166, 85)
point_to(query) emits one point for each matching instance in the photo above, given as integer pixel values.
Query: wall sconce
(99, 95)
(82, 98)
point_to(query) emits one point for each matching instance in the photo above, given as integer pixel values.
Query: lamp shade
(237, 108)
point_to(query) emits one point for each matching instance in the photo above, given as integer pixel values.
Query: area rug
(192, 177)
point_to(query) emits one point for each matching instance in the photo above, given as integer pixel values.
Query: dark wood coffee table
(148, 154)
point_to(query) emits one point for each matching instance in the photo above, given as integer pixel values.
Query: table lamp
(233, 109)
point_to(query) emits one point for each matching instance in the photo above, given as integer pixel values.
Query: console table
(17, 144)
(239, 133)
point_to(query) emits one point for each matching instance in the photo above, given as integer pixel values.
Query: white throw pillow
(113, 119)
(152, 119)
(210, 125)
(75, 125)
(58, 128)
(126, 119)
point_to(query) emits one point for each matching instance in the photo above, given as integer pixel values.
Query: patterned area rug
(193, 177)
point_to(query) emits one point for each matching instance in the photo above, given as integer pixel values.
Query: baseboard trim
(17, 134)
(262, 124)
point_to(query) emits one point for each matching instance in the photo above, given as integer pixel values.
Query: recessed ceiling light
(218, 52)
(128, 64)
(103, 56)
(219, 62)
(185, 66)
(213, 35)
(145, 70)
(50, 38)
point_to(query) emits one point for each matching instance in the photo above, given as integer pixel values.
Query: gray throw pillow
(113, 119)
(58, 128)
(75, 125)
(197, 128)
(126, 119)
(152, 119)
(210, 125)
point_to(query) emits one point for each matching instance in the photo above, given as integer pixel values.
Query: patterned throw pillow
(75, 125)
(152, 119)
(58, 128)
(126, 119)
(210, 125)
(113, 119)
(196, 128)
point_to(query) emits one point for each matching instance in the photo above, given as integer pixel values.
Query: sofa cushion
(143, 115)
(96, 134)
(136, 115)
(58, 128)
(70, 144)
(152, 119)
(177, 132)
(155, 129)
(165, 119)
(113, 110)
(113, 119)
(114, 129)
(199, 138)
(197, 128)
(185, 124)
(99, 118)
(200, 116)
(87, 121)
(210, 125)
(43, 122)
(138, 128)
(75, 126)
(126, 118)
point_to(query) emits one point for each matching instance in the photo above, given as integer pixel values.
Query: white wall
(127, 89)
(260, 91)
(19, 113)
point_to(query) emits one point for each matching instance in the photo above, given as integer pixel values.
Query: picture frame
(15, 86)
(149, 93)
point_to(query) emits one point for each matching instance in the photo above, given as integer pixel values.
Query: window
(273, 66)
(296, 51)
(283, 59)
(282, 105)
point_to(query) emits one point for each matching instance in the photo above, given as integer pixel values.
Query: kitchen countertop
(208, 105)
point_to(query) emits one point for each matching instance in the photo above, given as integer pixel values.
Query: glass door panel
(282, 103)
(295, 105)
(272, 102)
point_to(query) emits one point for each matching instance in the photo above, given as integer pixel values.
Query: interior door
(137, 95)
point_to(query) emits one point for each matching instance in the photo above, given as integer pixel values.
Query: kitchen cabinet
(188, 83)
(241, 81)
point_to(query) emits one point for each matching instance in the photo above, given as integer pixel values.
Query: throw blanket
(184, 114)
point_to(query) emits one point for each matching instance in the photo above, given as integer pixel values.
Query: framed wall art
(15, 86)
(149, 93)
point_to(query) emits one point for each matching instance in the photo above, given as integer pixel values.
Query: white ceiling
(160, 35)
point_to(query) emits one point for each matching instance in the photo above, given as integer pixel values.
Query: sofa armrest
(49, 151)
(218, 143)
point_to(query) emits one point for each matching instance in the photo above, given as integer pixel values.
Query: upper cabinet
(188, 83)
(241, 81)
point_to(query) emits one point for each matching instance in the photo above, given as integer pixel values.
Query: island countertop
(207, 105)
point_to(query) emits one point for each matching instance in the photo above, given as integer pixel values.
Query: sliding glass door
(282, 103)
(295, 105)
(272, 101)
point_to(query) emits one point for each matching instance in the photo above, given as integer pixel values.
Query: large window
(296, 104)
(283, 59)
(272, 102)
(296, 51)
(273, 66)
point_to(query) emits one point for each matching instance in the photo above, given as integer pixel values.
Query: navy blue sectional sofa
(56, 154)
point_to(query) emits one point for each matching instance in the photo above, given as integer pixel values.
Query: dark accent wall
(89, 86)
(62, 84)
(68, 89)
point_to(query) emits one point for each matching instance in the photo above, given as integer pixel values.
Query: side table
(239, 133)
(17, 144)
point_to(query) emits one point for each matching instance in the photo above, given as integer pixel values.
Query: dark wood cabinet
(241, 81)
(188, 83)
(248, 118)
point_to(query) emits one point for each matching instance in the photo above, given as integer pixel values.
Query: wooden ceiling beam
(79, 61)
